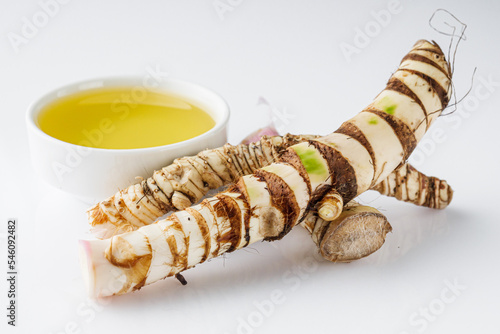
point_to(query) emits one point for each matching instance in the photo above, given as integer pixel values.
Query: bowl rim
(126, 81)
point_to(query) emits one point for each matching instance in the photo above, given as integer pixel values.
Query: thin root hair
(251, 250)
(454, 104)
(461, 36)
(452, 54)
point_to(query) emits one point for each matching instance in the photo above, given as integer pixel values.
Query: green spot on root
(373, 120)
(310, 159)
(387, 105)
(390, 109)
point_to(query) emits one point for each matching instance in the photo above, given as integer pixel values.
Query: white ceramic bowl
(93, 174)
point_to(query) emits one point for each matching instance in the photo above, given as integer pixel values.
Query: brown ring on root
(341, 171)
(351, 130)
(401, 130)
(283, 199)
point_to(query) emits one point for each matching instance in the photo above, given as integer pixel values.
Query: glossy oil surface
(123, 118)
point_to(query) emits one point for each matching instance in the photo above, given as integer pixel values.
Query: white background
(290, 53)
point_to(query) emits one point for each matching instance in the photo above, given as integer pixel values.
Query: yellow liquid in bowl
(123, 118)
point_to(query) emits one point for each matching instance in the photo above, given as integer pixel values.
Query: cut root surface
(354, 237)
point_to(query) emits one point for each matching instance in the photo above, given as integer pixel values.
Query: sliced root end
(328, 213)
(355, 237)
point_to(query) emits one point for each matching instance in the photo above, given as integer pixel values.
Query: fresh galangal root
(265, 205)
(141, 204)
(405, 183)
